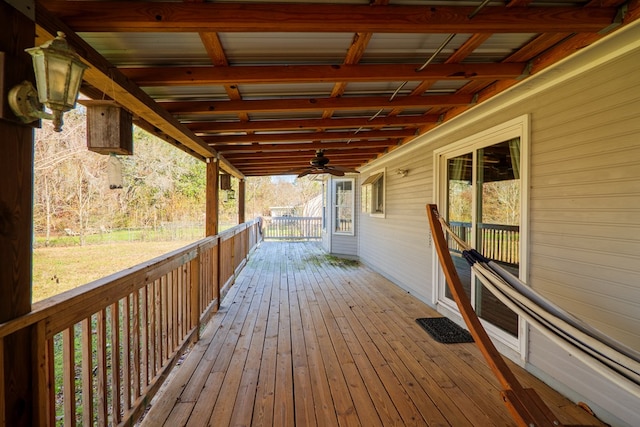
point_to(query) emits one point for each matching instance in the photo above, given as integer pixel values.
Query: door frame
(518, 127)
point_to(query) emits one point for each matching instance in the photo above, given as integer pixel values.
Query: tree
(67, 179)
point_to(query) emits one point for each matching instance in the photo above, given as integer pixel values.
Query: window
(324, 207)
(373, 194)
(344, 200)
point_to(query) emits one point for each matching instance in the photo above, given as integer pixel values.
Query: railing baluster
(174, 313)
(116, 416)
(147, 337)
(126, 353)
(164, 319)
(69, 376)
(87, 372)
(154, 332)
(101, 349)
(195, 294)
(136, 368)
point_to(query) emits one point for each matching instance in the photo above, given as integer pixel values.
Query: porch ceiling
(263, 84)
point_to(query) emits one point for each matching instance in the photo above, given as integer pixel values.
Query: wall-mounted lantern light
(58, 72)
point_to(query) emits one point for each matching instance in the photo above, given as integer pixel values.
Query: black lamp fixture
(58, 71)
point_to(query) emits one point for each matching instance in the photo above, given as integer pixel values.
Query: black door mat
(445, 330)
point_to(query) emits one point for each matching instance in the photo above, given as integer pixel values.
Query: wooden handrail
(119, 336)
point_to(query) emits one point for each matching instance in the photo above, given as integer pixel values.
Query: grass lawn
(57, 269)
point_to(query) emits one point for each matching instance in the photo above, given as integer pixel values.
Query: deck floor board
(303, 339)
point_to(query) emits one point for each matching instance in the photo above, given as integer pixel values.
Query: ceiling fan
(318, 165)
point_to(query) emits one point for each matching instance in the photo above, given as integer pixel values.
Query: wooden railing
(498, 242)
(293, 228)
(102, 350)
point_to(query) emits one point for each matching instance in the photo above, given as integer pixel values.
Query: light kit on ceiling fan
(320, 165)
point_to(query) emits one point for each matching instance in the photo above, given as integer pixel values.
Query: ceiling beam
(299, 161)
(113, 16)
(341, 154)
(266, 74)
(331, 123)
(309, 154)
(263, 148)
(290, 169)
(309, 136)
(312, 104)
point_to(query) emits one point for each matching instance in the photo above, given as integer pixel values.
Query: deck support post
(525, 406)
(213, 195)
(242, 184)
(18, 368)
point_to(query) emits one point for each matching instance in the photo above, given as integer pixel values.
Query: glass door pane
(498, 224)
(459, 213)
(344, 206)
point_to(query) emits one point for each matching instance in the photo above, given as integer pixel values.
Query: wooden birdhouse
(225, 181)
(109, 128)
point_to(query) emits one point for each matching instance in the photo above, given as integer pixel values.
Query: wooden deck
(302, 339)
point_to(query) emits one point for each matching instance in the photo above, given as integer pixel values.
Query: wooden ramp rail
(102, 350)
(525, 405)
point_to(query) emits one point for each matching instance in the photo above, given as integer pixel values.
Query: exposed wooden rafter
(121, 16)
(369, 94)
(309, 124)
(266, 147)
(186, 76)
(296, 105)
(310, 136)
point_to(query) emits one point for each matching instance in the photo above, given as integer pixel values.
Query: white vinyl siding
(584, 207)
(398, 244)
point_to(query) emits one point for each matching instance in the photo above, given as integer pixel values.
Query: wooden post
(213, 169)
(241, 200)
(16, 211)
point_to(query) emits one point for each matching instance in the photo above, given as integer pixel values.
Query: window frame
(371, 193)
(336, 206)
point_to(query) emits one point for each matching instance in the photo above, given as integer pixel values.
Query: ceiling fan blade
(296, 171)
(334, 172)
(343, 169)
(305, 173)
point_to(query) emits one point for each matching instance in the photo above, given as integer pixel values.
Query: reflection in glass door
(459, 214)
(483, 207)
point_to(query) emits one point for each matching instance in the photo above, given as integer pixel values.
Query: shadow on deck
(305, 339)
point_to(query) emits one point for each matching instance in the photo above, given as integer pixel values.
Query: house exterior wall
(397, 245)
(583, 207)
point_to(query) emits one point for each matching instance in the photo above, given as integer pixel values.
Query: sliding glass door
(483, 198)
